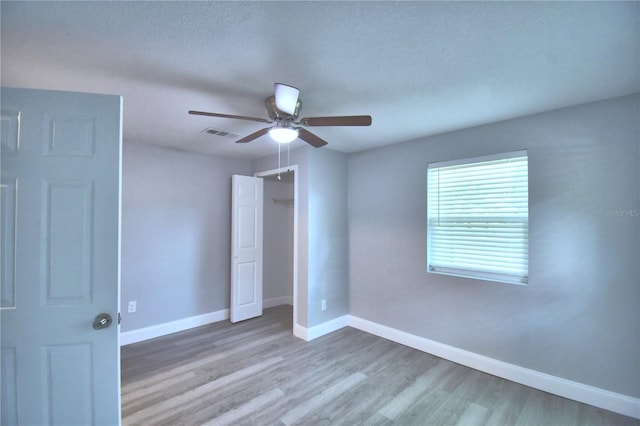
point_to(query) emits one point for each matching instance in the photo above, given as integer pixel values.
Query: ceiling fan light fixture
(283, 134)
(286, 98)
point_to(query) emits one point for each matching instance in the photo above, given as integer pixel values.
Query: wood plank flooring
(257, 373)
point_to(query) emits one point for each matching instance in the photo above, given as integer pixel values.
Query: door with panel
(60, 257)
(246, 247)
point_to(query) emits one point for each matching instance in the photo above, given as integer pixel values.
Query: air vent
(219, 132)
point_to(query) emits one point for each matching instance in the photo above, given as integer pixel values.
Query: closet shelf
(283, 201)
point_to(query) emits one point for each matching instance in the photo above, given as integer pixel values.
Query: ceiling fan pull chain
(279, 177)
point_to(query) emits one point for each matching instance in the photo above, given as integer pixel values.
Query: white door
(246, 247)
(60, 230)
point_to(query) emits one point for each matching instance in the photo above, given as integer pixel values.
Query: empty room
(320, 212)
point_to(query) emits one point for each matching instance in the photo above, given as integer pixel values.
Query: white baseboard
(277, 301)
(134, 336)
(151, 332)
(618, 403)
(320, 329)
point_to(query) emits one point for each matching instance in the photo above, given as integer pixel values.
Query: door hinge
(119, 318)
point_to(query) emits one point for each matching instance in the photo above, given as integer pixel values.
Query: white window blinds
(478, 211)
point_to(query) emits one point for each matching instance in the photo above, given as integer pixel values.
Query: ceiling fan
(283, 108)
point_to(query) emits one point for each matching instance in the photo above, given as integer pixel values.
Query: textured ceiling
(418, 68)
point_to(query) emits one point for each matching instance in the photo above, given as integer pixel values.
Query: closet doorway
(280, 238)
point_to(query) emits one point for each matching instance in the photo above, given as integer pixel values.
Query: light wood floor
(257, 373)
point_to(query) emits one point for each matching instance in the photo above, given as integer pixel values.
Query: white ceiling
(418, 68)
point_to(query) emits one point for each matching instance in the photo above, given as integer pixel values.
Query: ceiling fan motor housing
(279, 116)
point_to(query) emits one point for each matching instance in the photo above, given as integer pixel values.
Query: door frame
(294, 169)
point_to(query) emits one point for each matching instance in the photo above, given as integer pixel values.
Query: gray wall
(176, 234)
(328, 235)
(578, 317)
(278, 240)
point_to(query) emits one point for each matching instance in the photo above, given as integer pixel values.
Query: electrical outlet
(323, 305)
(132, 306)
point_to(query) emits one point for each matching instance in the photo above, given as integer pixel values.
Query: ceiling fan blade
(286, 98)
(346, 120)
(238, 117)
(310, 138)
(254, 135)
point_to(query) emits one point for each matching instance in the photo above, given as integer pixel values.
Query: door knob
(102, 321)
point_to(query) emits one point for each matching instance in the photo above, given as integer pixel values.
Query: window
(478, 217)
